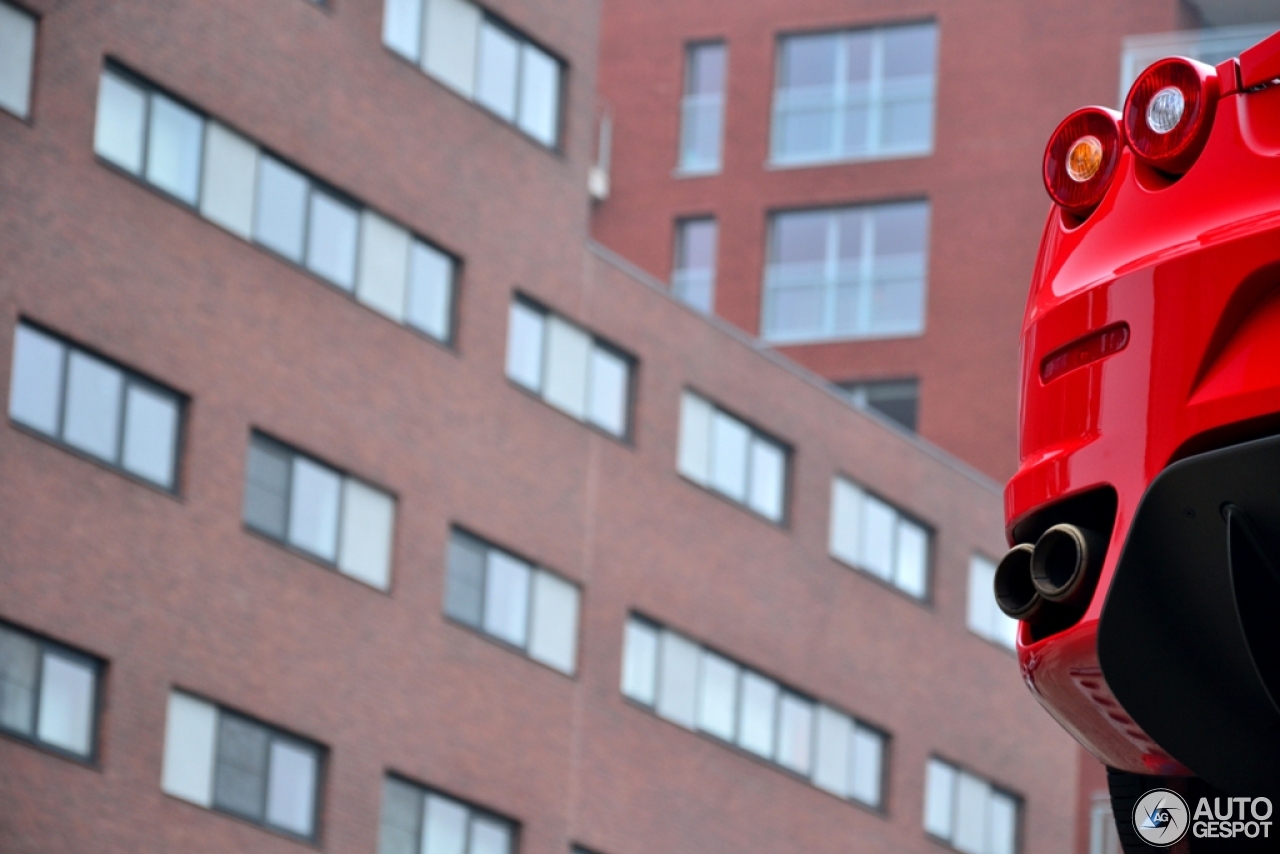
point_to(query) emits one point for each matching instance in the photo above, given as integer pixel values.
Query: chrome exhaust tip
(1016, 593)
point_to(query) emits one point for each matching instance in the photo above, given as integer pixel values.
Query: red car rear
(1147, 501)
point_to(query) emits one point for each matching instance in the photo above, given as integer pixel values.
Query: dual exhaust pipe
(1061, 568)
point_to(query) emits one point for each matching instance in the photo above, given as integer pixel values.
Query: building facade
(353, 499)
(858, 185)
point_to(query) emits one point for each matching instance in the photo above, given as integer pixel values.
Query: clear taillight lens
(1169, 112)
(1081, 158)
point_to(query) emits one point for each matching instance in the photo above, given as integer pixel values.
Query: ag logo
(1160, 817)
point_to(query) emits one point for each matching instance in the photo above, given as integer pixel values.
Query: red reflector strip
(1084, 351)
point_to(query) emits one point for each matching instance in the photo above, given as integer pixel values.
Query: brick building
(352, 498)
(858, 185)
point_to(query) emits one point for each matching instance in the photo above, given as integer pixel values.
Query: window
(510, 599)
(856, 272)
(568, 367)
(855, 94)
(17, 59)
(48, 693)
(694, 277)
(95, 406)
(725, 455)
(316, 509)
(233, 183)
(480, 58)
(225, 761)
(877, 538)
(702, 108)
(1103, 837)
(416, 819)
(698, 689)
(967, 812)
(985, 618)
(897, 400)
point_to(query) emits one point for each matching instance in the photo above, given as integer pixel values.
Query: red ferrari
(1145, 513)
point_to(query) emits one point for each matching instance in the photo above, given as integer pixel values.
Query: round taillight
(1081, 158)
(1169, 112)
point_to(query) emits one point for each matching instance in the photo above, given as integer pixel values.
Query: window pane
(402, 26)
(464, 586)
(1003, 830)
(189, 749)
(877, 525)
(795, 734)
(982, 602)
(831, 762)
(368, 522)
(150, 434)
(702, 109)
(292, 787)
(800, 238)
(607, 395)
(173, 148)
(313, 508)
(93, 406)
(266, 488)
(640, 662)
(19, 656)
(717, 695)
(678, 672)
(525, 331)
(384, 265)
(497, 67)
(939, 788)
(35, 390)
(506, 598)
(910, 51)
(809, 60)
(331, 240)
(240, 778)
(452, 27)
(446, 827)
(489, 837)
(553, 636)
(399, 832)
(281, 211)
(972, 795)
(568, 348)
(230, 176)
(694, 460)
(17, 52)
(706, 70)
(539, 94)
(430, 305)
(759, 709)
(768, 478)
(117, 132)
(867, 757)
(66, 704)
(912, 559)
(846, 515)
(729, 438)
(693, 279)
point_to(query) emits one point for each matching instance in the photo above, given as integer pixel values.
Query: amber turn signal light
(1081, 158)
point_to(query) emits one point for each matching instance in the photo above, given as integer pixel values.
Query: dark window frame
(996, 788)
(487, 544)
(38, 18)
(129, 378)
(784, 688)
(930, 558)
(314, 182)
(293, 452)
(627, 436)
(474, 810)
(98, 667)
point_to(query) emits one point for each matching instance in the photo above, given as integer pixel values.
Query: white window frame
(779, 278)
(842, 98)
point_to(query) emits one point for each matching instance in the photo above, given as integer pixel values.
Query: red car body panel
(1192, 265)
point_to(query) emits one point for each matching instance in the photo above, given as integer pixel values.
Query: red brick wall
(1008, 72)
